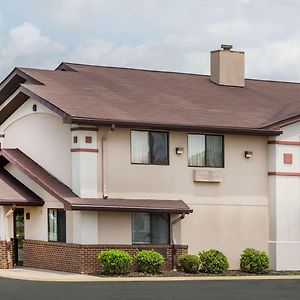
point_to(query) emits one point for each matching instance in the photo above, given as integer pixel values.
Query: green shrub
(149, 261)
(213, 261)
(189, 263)
(254, 261)
(115, 262)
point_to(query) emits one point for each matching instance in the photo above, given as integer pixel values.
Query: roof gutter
(129, 208)
(177, 127)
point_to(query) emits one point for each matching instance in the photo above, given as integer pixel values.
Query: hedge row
(215, 262)
(117, 262)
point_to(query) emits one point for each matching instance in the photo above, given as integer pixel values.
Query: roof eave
(131, 209)
(177, 127)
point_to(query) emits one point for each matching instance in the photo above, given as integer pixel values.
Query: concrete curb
(87, 278)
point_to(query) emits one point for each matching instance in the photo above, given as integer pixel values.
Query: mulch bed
(182, 274)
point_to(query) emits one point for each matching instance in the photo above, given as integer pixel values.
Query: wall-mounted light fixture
(34, 107)
(179, 150)
(248, 154)
(28, 216)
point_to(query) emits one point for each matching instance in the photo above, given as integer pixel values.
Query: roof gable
(13, 192)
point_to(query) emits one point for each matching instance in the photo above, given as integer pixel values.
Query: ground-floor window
(56, 225)
(150, 228)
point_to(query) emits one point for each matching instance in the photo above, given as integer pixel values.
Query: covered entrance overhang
(13, 197)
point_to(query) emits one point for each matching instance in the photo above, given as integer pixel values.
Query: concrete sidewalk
(23, 273)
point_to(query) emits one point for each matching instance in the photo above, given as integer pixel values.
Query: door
(18, 235)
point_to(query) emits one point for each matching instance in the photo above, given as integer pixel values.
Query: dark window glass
(159, 148)
(141, 228)
(57, 225)
(160, 229)
(205, 150)
(149, 147)
(150, 228)
(214, 151)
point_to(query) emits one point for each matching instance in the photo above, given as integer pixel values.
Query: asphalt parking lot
(12, 289)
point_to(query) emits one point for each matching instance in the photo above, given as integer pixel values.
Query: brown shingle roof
(13, 192)
(120, 95)
(71, 201)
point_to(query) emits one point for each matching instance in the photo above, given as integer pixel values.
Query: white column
(2, 224)
(85, 161)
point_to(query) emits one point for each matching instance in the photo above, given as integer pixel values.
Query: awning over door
(146, 205)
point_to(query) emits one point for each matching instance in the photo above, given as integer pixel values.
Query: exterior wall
(233, 209)
(83, 258)
(42, 136)
(284, 189)
(229, 210)
(115, 228)
(37, 227)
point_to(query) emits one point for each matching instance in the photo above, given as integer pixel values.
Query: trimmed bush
(149, 262)
(254, 261)
(213, 262)
(115, 262)
(189, 263)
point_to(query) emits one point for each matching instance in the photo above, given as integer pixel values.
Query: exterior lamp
(179, 150)
(248, 154)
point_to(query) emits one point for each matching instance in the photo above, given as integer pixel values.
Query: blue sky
(154, 34)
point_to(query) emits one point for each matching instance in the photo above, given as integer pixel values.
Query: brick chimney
(227, 67)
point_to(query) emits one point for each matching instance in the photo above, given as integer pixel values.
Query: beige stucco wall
(234, 210)
(245, 181)
(42, 136)
(115, 228)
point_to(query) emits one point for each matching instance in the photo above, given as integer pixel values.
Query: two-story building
(99, 157)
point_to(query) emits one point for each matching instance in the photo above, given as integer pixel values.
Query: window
(57, 225)
(150, 228)
(205, 150)
(149, 147)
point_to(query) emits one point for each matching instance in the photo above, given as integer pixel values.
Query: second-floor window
(149, 147)
(205, 150)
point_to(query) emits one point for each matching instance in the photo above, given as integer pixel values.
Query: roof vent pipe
(226, 47)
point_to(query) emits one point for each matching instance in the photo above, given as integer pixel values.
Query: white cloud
(159, 34)
(25, 45)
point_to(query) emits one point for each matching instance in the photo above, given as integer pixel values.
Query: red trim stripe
(283, 174)
(80, 128)
(290, 143)
(84, 150)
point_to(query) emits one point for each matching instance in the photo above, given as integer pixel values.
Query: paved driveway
(175, 290)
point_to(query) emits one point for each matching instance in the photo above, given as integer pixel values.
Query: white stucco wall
(42, 136)
(284, 192)
(37, 227)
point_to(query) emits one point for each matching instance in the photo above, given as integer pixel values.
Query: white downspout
(103, 152)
